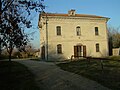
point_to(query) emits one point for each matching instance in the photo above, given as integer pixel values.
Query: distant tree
(29, 49)
(0, 46)
(14, 19)
(17, 54)
(114, 38)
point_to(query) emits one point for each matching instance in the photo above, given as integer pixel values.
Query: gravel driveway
(50, 77)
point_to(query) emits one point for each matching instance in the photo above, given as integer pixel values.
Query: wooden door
(75, 51)
(84, 51)
(43, 52)
(79, 53)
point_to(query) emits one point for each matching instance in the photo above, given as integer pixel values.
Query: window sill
(97, 51)
(78, 35)
(59, 53)
(58, 35)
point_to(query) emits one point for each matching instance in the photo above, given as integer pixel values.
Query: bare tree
(30, 50)
(114, 38)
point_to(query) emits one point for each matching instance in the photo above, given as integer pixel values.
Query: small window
(59, 49)
(97, 47)
(96, 31)
(78, 32)
(58, 30)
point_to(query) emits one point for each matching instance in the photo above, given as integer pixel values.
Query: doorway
(43, 52)
(79, 51)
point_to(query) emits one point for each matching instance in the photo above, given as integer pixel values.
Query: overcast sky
(106, 8)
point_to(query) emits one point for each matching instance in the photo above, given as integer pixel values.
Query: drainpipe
(46, 37)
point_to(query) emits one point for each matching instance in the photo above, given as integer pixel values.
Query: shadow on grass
(109, 76)
(15, 76)
(35, 59)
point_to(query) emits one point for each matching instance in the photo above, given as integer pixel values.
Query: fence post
(101, 61)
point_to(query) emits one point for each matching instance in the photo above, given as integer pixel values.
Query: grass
(15, 76)
(35, 59)
(109, 76)
(114, 57)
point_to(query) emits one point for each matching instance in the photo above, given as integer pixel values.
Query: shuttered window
(97, 47)
(58, 30)
(59, 49)
(78, 31)
(96, 31)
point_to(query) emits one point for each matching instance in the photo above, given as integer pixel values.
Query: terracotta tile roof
(76, 15)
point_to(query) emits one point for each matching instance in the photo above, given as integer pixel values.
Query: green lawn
(109, 76)
(15, 76)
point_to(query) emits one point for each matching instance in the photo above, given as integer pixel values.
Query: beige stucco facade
(68, 38)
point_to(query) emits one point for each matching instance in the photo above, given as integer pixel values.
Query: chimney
(71, 12)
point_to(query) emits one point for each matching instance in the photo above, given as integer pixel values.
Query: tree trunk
(10, 57)
(0, 6)
(10, 53)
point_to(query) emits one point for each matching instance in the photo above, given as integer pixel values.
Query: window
(58, 30)
(96, 31)
(78, 31)
(97, 47)
(59, 49)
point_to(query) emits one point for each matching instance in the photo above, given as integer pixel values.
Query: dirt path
(51, 77)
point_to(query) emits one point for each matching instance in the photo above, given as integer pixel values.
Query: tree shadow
(52, 54)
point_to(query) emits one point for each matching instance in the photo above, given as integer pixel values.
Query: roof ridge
(76, 15)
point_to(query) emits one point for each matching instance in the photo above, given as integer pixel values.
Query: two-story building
(64, 35)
